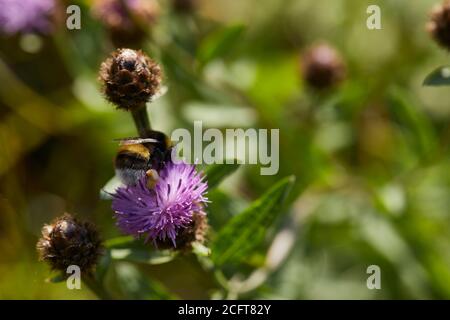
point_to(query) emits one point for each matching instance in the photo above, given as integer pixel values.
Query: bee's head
(162, 142)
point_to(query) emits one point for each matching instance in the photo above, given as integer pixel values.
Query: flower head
(439, 24)
(67, 241)
(26, 16)
(130, 78)
(167, 211)
(322, 67)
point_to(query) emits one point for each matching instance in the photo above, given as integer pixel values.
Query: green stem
(141, 120)
(96, 287)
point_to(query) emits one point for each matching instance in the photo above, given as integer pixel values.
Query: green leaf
(439, 77)
(136, 286)
(223, 207)
(127, 248)
(219, 43)
(417, 126)
(119, 242)
(217, 172)
(139, 255)
(247, 230)
(103, 266)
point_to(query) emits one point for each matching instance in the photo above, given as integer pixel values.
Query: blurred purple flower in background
(126, 20)
(164, 210)
(119, 13)
(26, 16)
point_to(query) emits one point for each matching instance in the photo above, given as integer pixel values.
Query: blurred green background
(371, 157)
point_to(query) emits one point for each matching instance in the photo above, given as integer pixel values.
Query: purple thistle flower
(166, 209)
(26, 16)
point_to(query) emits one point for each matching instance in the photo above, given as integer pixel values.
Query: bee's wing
(128, 141)
(110, 188)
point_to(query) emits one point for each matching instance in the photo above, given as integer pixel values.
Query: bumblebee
(138, 157)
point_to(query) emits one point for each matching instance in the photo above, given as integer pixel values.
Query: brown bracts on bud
(322, 67)
(439, 24)
(130, 79)
(126, 20)
(67, 241)
(195, 232)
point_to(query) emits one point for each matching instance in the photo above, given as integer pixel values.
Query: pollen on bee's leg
(152, 178)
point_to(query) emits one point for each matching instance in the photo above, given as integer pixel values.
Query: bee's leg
(152, 178)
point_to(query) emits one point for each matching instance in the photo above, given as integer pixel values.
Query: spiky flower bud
(67, 241)
(194, 232)
(130, 78)
(439, 24)
(322, 67)
(126, 20)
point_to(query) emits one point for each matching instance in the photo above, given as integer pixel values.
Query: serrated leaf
(218, 43)
(439, 77)
(247, 230)
(223, 207)
(215, 173)
(139, 255)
